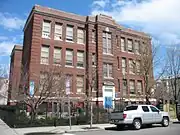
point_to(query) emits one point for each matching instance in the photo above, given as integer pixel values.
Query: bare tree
(173, 71)
(3, 83)
(149, 61)
(91, 79)
(45, 88)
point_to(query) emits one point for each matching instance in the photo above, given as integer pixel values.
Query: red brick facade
(15, 72)
(33, 41)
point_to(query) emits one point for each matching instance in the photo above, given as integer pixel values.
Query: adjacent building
(15, 74)
(83, 46)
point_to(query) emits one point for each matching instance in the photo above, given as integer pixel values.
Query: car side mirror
(158, 111)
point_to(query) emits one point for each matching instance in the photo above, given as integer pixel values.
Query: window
(57, 55)
(138, 67)
(131, 66)
(46, 30)
(118, 62)
(124, 86)
(145, 108)
(80, 36)
(44, 55)
(137, 47)
(93, 59)
(132, 86)
(123, 65)
(123, 45)
(93, 36)
(69, 33)
(153, 109)
(139, 87)
(107, 48)
(107, 70)
(131, 108)
(130, 45)
(119, 85)
(43, 81)
(68, 83)
(58, 32)
(69, 57)
(80, 59)
(80, 84)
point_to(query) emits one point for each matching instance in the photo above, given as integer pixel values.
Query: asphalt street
(173, 129)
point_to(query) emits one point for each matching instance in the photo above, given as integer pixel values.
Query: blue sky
(159, 18)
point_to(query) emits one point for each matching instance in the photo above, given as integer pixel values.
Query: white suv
(138, 115)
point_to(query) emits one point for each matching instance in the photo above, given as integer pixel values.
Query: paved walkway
(61, 129)
(6, 130)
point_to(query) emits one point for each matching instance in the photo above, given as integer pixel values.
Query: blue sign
(31, 88)
(108, 102)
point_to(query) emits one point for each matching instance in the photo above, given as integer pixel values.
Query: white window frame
(80, 88)
(124, 65)
(45, 32)
(43, 57)
(69, 34)
(137, 47)
(57, 51)
(69, 61)
(80, 36)
(107, 45)
(139, 87)
(107, 66)
(130, 46)
(79, 61)
(58, 31)
(138, 67)
(131, 86)
(123, 44)
(131, 66)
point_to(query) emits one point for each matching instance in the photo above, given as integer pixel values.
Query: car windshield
(130, 108)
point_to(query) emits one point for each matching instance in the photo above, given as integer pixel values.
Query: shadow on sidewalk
(90, 128)
(127, 128)
(177, 122)
(40, 133)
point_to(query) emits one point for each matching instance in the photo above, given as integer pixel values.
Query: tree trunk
(91, 114)
(147, 100)
(33, 115)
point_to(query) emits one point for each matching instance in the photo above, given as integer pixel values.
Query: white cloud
(160, 18)
(7, 45)
(100, 3)
(10, 22)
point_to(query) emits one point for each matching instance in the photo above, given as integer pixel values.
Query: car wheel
(165, 122)
(137, 124)
(120, 127)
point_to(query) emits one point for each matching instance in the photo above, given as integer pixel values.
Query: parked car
(138, 115)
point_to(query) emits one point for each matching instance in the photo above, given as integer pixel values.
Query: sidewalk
(62, 129)
(66, 129)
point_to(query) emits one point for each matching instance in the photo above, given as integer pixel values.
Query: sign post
(69, 105)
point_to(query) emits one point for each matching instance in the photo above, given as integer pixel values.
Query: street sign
(31, 88)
